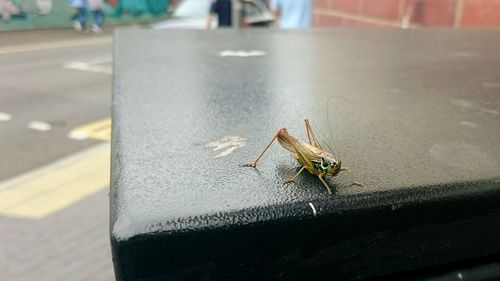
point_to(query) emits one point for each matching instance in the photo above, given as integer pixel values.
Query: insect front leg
(296, 175)
(321, 177)
(354, 182)
(254, 163)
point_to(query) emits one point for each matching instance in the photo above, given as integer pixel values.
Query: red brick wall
(481, 13)
(406, 13)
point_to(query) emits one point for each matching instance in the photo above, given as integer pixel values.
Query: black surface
(414, 113)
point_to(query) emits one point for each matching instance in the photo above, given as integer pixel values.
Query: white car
(191, 14)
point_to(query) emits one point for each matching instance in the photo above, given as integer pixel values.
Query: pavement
(55, 105)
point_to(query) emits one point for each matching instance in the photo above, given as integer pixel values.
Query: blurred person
(82, 14)
(172, 5)
(97, 10)
(223, 10)
(292, 13)
(7, 9)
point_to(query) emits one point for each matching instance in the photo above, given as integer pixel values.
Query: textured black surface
(414, 113)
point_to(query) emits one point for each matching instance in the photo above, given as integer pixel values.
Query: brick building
(406, 13)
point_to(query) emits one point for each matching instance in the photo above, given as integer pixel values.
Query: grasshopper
(311, 156)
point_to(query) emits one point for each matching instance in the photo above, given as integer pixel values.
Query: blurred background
(42, 14)
(55, 107)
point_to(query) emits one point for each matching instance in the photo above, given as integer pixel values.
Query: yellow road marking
(98, 130)
(55, 45)
(57, 186)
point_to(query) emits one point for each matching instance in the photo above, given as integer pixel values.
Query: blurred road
(40, 83)
(55, 97)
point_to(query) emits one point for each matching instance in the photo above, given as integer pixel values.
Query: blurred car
(191, 14)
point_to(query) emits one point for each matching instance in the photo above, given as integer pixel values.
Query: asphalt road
(50, 83)
(54, 210)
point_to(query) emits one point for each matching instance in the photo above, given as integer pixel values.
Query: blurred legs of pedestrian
(292, 14)
(97, 21)
(82, 14)
(81, 19)
(96, 6)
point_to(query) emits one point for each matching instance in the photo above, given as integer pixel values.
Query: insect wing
(310, 152)
(297, 147)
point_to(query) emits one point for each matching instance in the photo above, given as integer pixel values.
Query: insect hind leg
(310, 134)
(254, 163)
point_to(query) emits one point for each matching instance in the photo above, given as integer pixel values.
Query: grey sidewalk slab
(70, 245)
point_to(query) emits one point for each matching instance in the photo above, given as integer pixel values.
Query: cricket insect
(311, 156)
